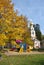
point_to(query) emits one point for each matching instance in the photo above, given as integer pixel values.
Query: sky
(33, 9)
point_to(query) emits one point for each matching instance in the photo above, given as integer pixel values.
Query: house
(33, 36)
(32, 30)
(36, 44)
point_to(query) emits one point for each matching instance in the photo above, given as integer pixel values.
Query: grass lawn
(23, 60)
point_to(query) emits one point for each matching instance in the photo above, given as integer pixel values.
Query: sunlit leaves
(12, 26)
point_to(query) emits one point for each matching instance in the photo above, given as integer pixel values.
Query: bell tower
(33, 35)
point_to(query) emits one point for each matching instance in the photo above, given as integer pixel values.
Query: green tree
(38, 31)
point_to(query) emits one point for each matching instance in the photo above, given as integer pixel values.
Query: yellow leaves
(14, 26)
(6, 31)
(8, 21)
(13, 42)
(29, 41)
(2, 39)
(2, 43)
(17, 46)
(2, 36)
(18, 37)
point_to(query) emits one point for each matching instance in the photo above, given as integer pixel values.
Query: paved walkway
(9, 53)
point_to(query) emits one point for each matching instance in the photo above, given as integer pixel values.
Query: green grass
(23, 60)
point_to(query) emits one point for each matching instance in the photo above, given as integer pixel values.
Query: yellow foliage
(13, 43)
(8, 21)
(17, 46)
(18, 37)
(2, 39)
(3, 36)
(12, 26)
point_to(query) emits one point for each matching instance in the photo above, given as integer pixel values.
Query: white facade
(36, 44)
(33, 35)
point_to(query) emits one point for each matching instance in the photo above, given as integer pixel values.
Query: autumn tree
(7, 17)
(23, 32)
(12, 26)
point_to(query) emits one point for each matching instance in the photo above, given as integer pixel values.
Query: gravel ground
(9, 53)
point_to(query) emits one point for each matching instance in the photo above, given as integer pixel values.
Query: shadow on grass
(41, 62)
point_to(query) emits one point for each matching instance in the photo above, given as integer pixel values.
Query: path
(9, 53)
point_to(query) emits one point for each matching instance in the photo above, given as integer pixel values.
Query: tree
(38, 32)
(21, 30)
(12, 25)
(42, 37)
(21, 27)
(7, 16)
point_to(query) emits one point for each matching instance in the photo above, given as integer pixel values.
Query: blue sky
(33, 9)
